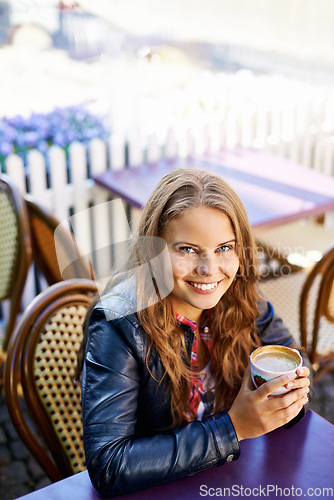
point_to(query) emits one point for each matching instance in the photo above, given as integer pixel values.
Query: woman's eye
(186, 250)
(225, 248)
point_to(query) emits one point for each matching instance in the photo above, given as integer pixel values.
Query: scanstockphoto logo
(135, 259)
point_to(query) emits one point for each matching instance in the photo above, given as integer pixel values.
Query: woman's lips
(204, 288)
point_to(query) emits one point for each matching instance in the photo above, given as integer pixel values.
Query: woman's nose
(203, 270)
(205, 266)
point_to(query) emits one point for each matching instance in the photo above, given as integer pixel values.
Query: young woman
(166, 388)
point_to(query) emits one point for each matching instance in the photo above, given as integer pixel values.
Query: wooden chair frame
(23, 257)
(20, 369)
(44, 249)
(325, 267)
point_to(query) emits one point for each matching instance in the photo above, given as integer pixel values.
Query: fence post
(78, 166)
(171, 146)
(38, 178)
(117, 148)
(15, 170)
(248, 124)
(100, 212)
(119, 223)
(200, 139)
(186, 143)
(58, 181)
(216, 133)
(308, 146)
(328, 156)
(153, 149)
(135, 150)
(232, 131)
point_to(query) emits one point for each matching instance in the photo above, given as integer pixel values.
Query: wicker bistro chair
(15, 251)
(319, 339)
(305, 302)
(43, 226)
(42, 356)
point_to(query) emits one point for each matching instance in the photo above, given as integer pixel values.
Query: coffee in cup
(272, 361)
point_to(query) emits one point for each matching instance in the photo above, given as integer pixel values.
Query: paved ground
(20, 474)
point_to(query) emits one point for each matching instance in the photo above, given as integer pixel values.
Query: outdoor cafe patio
(73, 180)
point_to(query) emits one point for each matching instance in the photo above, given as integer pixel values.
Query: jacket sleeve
(118, 461)
(272, 330)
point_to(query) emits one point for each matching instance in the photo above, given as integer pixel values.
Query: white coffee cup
(272, 361)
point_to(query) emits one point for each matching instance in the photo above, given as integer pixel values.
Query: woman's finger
(272, 385)
(298, 383)
(303, 371)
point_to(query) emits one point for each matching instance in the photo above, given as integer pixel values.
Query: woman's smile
(204, 287)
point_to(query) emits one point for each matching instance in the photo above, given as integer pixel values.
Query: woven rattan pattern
(8, 244)
(54, 369)
(284, 294)
(298, 237)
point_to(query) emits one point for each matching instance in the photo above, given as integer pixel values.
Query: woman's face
(204, 259)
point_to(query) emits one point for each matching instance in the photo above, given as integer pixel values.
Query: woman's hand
(256, 412)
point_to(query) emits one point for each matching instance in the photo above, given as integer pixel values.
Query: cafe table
(274, 190)
(285, 463)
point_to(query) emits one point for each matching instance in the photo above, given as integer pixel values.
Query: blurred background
(131, 59)
(86, 86)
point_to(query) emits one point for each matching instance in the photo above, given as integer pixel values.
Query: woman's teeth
(204, 286)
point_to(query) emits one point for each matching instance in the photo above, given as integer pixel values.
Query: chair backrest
(45, 253)
(15, 250)
(41, 362)
(323, 272)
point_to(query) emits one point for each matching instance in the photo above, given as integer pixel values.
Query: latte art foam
(275, 362)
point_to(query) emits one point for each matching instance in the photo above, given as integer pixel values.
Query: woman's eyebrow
(226, 242)
(184, 243)
(197, 246)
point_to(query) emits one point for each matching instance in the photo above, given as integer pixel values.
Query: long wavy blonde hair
(233, 319)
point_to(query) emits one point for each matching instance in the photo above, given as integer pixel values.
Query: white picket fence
(300, 131)
(67, 190)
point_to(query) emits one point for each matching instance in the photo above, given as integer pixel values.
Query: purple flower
(6, 148)
(20, 141)
(16, 121)
(31, 139)
(42, 146)
(62, 126)
(60, 140)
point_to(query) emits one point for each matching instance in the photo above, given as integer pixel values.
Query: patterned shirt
(201, 397)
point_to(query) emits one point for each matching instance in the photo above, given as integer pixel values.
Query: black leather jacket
(128, 438)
